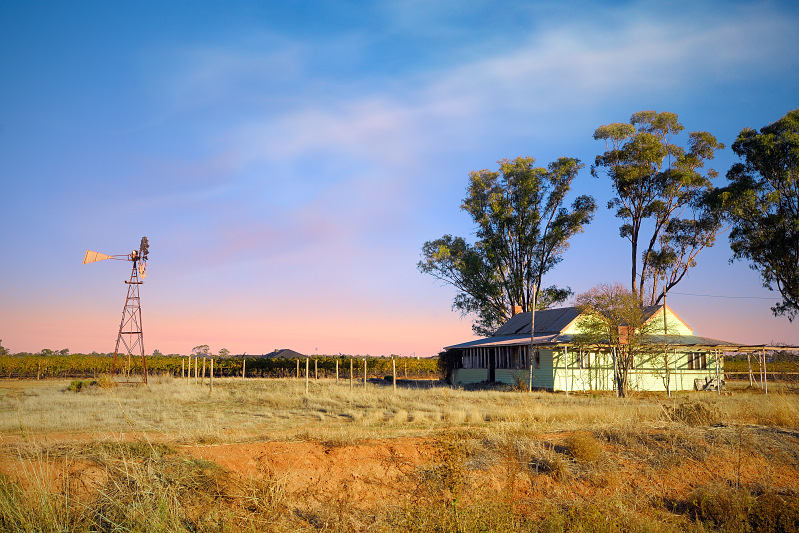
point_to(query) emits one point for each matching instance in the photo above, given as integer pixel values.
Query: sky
(287, 160)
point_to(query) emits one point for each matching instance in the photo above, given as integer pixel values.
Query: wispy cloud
(317, 153)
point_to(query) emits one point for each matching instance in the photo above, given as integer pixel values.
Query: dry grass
(503, 460)
(242, 410)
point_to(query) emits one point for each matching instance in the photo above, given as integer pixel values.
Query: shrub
(773, 513)
(695, 413)
(106, 382)
(721, 507)
(77, 385)
(583, 447)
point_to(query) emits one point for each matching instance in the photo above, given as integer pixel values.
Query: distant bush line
(92, 365)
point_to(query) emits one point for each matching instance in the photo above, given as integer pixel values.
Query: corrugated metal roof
(689, 340)
(547, 321)
(512, 340)
(694, 341)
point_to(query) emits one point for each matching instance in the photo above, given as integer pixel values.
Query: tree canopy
(202, 349)
(663, 195)
(763, 204)
(523, 229)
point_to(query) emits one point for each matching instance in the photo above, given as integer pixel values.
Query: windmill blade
(92, 257)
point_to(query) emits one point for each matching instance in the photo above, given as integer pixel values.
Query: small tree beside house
(611, 316)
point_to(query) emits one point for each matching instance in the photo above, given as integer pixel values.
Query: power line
(722, 296)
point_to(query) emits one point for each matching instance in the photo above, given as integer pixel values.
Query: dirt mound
(367, 472)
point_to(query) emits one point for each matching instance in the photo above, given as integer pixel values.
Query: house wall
(674, 326)
(553, 372)
(648, 374)
(467, 376)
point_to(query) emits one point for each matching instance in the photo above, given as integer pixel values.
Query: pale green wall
(553, 374)
(674, 325)
(648, 375)
(467, 376)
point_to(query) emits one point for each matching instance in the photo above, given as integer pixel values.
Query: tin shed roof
(548, 321)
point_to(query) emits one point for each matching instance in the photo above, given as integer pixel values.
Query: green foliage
(80, 365)
(762, 202)
(77, 385)
(448, 361)
(523, 229)
(662, 195)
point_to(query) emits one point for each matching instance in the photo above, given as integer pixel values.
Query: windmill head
(144, 249)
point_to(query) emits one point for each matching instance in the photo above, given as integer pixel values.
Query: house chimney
(516, 310)
(624, 332)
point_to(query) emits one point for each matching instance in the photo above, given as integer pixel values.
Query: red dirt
(368, 472)
(373, 472)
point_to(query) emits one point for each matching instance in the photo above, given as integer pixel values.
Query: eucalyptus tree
(522, 230)
(201, 350)
(664, 195)
(763, 205)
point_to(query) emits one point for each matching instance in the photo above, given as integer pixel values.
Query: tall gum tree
(762, 202)
(664, 196)
(523, 230)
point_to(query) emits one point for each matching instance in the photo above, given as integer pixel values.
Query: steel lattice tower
(130, 328)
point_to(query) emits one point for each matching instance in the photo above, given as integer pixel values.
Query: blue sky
(287, 160)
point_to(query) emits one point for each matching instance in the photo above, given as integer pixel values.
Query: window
(537, 359)
(697, 361)
(585, 360)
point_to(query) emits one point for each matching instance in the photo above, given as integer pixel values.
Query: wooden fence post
(394, 373)
(243, 368)
(196, 359)
(336, 371)
(316, 369)
(182, 368)
(307, 368)
(364, 372)
(211, 379)
(298, 369)
(202, 376)
(351, 374)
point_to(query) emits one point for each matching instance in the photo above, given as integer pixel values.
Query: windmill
(130, 328)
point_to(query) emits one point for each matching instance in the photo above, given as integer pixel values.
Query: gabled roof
(552, 321)
(547, 322)
(556, 327)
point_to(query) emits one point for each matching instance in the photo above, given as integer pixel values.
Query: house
(560, 363)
